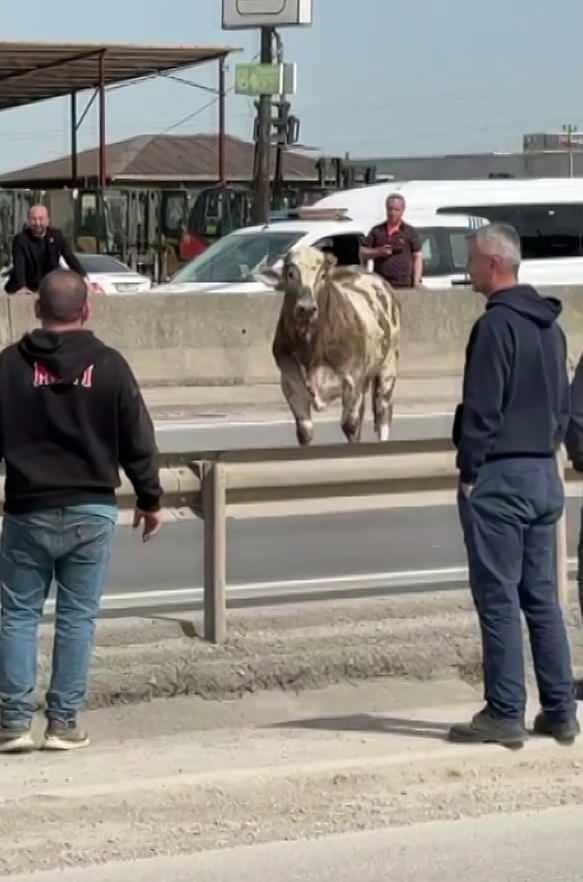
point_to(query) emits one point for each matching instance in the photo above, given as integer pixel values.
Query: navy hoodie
(71, 413)
(516, 387)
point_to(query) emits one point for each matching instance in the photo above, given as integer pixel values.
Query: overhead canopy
(31, 72)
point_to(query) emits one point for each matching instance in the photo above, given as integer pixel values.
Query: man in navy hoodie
(574, 445)
(513, 419)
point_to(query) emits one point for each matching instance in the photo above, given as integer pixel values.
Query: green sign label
(258, 79)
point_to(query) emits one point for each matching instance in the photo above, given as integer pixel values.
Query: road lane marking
(326, 584)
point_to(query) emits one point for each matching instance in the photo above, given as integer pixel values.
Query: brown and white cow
(337, 337)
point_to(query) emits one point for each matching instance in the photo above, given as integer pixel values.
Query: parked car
(110, 276)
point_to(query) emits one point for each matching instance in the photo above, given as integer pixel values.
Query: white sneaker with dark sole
(19, 741)
(60, 736)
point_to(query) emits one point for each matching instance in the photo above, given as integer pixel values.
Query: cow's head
(302, 271)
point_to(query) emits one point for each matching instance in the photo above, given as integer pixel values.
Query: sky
(375, 78)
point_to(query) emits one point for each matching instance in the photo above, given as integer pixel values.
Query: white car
(110, 276)
(230, 264)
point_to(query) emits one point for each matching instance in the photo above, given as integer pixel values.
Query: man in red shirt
(395, 248)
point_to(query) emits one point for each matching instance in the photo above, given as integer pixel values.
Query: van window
(444, 249)
(545, 230)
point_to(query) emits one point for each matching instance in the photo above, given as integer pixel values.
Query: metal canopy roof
(32, 72)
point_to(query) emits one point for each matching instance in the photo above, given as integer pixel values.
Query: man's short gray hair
(502, 241)
(398, 196)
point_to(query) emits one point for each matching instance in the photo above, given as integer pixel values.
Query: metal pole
(222, 130)
(214, 507)
(263, 152)
(102, 133)
(74, 144)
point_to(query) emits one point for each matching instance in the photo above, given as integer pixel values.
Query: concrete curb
(421, 637)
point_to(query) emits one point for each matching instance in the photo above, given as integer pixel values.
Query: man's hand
(152, 521)
(466, 490)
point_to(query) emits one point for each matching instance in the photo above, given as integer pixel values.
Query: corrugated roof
(32, 72)
(163, 157)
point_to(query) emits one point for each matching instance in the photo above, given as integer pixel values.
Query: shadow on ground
(370, 723)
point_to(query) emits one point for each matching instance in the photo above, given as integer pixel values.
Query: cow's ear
(330, 261)
(270, 276)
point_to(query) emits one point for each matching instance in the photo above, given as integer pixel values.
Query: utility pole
(262, 173)
(570, 130)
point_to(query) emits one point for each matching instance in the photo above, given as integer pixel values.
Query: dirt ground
(186, 775)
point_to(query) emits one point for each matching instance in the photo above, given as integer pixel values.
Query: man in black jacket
(71, 414)
(574, 444)
(513, 420)
(36, 252)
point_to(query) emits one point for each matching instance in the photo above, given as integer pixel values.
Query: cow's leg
(383, 395)
(323, 386)
(353, 401)
(293, 384)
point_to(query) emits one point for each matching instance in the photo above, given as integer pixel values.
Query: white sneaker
(16, 740)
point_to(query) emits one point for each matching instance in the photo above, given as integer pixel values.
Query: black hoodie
(71, 413)
(516, 388)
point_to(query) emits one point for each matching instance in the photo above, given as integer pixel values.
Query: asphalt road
(527, 847)
(393, 549)
(223, 432)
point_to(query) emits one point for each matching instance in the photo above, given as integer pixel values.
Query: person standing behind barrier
(514, 416)
(71, 413)
(395, 247)
(36, 252)
(574, 444)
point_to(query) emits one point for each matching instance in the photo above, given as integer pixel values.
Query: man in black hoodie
(71, 413)
(507, 432)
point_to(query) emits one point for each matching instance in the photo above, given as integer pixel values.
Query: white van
(547, 213)
(229, 264)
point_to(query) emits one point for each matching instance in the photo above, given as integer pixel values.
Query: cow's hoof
(305, 432)
(384, 433)
(351, 431)
(319, 405)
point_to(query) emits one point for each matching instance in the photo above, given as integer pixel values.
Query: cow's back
(374, 324)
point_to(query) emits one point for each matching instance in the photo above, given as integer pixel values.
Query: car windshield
(101, 263)
(235, 258)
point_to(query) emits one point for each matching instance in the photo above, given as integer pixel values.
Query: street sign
(266, 13)
(265, 79)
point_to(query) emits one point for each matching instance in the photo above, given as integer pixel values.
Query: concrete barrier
(216, 339)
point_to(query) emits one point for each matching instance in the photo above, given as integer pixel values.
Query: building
(545, 155)
(160, 160)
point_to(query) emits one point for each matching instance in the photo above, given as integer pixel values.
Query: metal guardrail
(214, 481)
(327, 472)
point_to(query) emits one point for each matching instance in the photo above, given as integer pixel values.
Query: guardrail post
(215, 552)
(561, 556)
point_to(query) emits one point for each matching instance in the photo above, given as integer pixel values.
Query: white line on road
(324, 584)
(163, 425)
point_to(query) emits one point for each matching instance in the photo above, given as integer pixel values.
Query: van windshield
(235, 258)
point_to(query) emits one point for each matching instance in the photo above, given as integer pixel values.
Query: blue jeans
(509, 524)
(73, 548)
